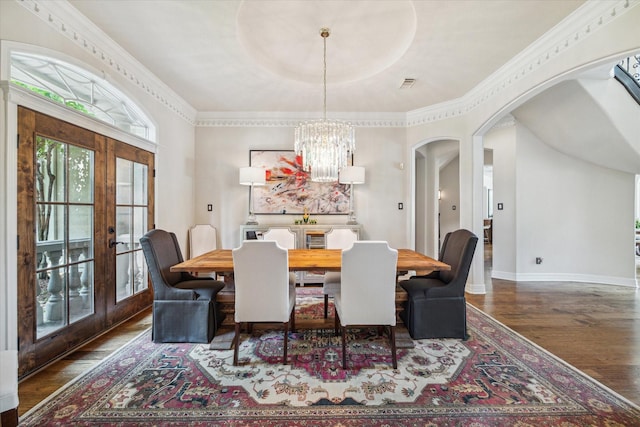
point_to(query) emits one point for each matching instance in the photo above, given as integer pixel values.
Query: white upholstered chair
(263, 290)
(336, 238)
(368, 290)
(286, 239)
(202, 239)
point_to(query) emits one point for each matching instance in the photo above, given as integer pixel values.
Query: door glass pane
(140, 265)
(140, 184)
(123, 282)
(50, 170)
(139, 223)
(64, 234)
(123, 228)
(86, 290)
(80, 175)
(81, 230)
(124, 178)
(141, 278)
(51, 300)
(131, 224)
(51, 236)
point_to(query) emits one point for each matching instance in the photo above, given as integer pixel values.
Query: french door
(84, 200)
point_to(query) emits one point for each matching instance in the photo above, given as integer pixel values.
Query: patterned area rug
(496, 378)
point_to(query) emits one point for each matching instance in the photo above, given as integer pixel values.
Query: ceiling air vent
(407, 83)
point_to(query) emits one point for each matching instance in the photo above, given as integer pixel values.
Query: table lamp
(351, 175)
(252, 176)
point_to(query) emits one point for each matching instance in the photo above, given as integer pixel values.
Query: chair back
(340, 238)
(457, 251)
(284, 236)
(161, 250)
(261, 275)
(202, 239)
(368, 289)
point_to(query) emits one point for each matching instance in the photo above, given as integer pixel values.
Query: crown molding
(582, 23)
(505, 122)
(289, 119)
(67, 21)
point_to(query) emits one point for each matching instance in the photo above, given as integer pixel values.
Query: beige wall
(220, 151)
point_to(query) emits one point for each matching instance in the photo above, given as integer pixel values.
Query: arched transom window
(80, 90)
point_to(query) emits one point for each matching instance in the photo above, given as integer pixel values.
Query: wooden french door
(83, 201)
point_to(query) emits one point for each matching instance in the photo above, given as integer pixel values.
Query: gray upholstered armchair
(184, 306)
(436, 306)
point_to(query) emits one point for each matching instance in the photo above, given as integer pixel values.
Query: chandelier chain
(325, 34)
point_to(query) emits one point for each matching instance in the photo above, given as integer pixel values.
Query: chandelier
(324, 145)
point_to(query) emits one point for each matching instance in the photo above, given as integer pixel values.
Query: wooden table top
(221, 261)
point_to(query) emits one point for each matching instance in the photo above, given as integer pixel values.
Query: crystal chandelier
(324, 145)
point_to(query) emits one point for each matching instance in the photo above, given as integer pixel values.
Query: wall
(577, 216)
(450, 200)
(220, 151)
(502, 141)
(551, 211)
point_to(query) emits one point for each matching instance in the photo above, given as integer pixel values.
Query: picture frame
(289, 189)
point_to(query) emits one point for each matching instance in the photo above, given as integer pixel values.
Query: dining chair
(286, 239)
(263, 292)
(184, 306)
(202, 239)
(368, 290)
(436, 306)
(336, 238)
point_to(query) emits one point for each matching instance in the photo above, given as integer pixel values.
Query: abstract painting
(289, 189)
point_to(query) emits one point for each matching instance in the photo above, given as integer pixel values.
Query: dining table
(220, 261)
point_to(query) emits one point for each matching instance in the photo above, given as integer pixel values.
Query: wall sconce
(252, 176)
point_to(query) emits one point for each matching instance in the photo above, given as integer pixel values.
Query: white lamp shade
(352, 175)
(251, 175)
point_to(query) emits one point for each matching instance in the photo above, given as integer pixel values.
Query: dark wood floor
(595, 328)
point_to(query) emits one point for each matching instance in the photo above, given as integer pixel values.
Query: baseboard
(503, 275)
(565, 277)
(476, 288)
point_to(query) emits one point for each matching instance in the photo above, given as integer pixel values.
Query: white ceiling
(266, 55)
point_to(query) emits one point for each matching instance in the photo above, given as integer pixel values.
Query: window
(80, 90)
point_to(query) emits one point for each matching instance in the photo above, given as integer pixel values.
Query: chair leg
(326, 305)
(344, 348)
(392, 339)
(286, 342)
(292, 319)
(336, 323)
(236, 340)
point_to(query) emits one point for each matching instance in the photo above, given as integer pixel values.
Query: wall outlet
(538, 260)
(210, 208)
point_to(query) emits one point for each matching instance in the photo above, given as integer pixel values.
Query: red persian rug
(496, 378)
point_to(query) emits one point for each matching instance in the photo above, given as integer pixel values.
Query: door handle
(113, 243)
